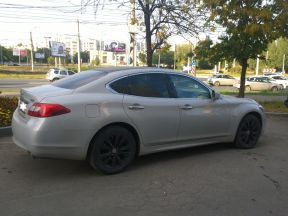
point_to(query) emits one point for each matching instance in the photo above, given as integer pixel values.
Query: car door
(63, 73)
(201, 118)
(148, 104)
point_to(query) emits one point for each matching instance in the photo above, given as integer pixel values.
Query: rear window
(80, 79)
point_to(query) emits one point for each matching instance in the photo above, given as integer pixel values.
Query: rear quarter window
(79, 79)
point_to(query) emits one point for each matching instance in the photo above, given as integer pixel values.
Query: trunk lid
(29, 96)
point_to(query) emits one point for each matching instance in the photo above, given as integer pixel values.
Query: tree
(276, 50)
(203, 53)
(250, 26)
(183, 51)
(51, 60)
(166, 58)
(85, 56)
(164, 18)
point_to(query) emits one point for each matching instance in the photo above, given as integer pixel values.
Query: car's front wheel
(248, 132)
(112, 150)
(274, 89)
(217, 83)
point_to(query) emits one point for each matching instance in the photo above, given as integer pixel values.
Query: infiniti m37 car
(110, 116)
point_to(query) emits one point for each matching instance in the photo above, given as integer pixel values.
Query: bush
(7, 107)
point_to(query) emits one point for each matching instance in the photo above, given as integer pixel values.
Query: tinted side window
(145, 85)
(63, 72)
(187, 87)
(56, 72)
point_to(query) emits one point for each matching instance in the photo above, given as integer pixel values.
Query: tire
(274, 89)
(113, 150)
(55, 79)
(248, 132)
(217, 83)
(247, 88)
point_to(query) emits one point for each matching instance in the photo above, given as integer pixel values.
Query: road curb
(276, 114)
(5, 131)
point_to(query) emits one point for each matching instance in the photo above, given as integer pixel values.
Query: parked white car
(281, 80)
(58, 73)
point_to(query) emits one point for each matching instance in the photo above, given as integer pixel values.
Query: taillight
(42, 110)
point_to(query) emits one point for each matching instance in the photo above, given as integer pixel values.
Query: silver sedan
(110, 116)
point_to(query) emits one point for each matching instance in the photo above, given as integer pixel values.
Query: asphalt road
(21, 83)
(209, 180)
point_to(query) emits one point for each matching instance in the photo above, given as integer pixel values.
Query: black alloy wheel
(113, 150)
(248, 132)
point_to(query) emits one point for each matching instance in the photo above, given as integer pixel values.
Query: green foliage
(51, 60)
(166, 59)
(143, 58)
(250, 26)
(182, 53)
(96, 61)
(276, 50)
(7, 107)
(85, 56)
(203, 54)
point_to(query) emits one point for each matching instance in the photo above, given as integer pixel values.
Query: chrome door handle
(186, 107)
(136, 107)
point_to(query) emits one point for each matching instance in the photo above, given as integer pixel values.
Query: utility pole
(32, 52)
(175, 57)
(159, 59)
(257, 65)
(79, 49)
(1, 54)
(132, 32)
(283, 66)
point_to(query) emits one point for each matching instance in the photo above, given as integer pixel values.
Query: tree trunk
(148, 38)
(244, 65)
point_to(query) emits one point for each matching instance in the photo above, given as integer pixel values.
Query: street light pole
(79, 49)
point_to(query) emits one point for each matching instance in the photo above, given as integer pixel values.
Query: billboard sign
(115, 46)
(16, 52)
(23, 53)
(39, 55)
(57, 49)
(19, 52)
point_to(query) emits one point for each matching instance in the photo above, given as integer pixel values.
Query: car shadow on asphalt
(180, 154)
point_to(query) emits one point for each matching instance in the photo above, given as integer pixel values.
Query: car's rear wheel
(55, 79)
(248, 132)
(217, 83)
(247, 88)
(112, 150)
(274, 89)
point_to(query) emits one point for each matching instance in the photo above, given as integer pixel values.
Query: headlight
(261, 107)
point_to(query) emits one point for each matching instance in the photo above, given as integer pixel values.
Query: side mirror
(215, 95)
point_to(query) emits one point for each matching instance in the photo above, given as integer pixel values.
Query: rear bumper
(35, 137)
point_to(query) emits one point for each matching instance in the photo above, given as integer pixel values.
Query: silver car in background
(110, 116)
(221, 80)
(260, 84)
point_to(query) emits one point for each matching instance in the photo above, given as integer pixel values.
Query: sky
(57, 18)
